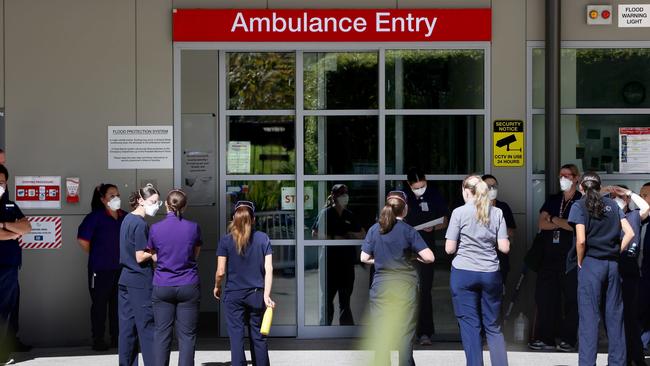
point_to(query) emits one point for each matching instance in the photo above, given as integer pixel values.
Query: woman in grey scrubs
(475, 231)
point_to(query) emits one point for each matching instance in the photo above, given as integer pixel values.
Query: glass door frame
(301, 330)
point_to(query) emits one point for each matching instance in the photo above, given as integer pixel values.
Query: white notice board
(140, 147)
(634, 145)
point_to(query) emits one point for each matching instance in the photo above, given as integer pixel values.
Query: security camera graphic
(506, 141)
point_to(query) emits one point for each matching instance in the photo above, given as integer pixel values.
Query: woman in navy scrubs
(628, 267)
(245, 254)
(476, 231)
(425, 204)
(99, 235)
(598, 222)
(390, 245)
(135, 285)
(176, 243)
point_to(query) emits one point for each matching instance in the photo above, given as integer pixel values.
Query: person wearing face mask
(336, 222)
(628, 267)
(493, 185)
(425, 204)
(477, 230)
(644, 286)
(136, 322)
(13, 224)
(99, 236)
(557, 281)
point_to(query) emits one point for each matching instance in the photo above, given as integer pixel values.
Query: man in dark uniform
(336, 222)
(424, 205)
(13, 224)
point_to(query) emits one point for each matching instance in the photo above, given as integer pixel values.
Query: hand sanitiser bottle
(265, 329)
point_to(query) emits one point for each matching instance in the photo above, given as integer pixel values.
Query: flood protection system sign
(38, 192)
(45, 234)
(508, 146)
(140, 147)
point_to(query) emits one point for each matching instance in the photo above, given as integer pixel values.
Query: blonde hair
(479, 189)
(241, 228)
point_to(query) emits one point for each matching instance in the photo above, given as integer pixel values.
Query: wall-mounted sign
(140, 147)
(239, 157)
(633, 15)
(508, 149)
(289, 198)
(45, 234)
(633, 147)
(199, 171)
(38, 192)
(331, 25)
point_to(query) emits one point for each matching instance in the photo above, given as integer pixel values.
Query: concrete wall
(70, 68)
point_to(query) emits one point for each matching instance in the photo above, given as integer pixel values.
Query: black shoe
(100, 346)
(19, 346)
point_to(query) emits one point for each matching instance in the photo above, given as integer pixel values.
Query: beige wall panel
(220, 4)
(405, 4)
(535, 20)
(574, 23)
(67, 79)
(332, 4)
(155, 98)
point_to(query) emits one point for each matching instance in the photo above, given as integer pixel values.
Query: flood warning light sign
(508, 149)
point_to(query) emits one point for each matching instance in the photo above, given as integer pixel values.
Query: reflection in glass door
(339, 129)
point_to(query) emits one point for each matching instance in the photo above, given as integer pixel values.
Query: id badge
(556, 237)
(424, 206)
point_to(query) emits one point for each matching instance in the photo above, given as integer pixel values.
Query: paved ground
(334, 352)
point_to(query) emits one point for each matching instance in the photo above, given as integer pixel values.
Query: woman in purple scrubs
(176, 293)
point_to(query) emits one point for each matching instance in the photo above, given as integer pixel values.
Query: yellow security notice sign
(508, 149)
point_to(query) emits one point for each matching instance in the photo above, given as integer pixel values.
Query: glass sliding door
(316, 137)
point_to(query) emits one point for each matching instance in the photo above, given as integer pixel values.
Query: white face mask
(420, 191)
(151, 209)
(2, 191)
(620, 202)
(115, 203)
(343, 200)
(492, 194)
(565, 184)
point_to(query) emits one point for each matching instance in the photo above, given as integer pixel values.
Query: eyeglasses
(397, 194)
(248, 204)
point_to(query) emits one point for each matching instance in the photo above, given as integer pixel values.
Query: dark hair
(414, 175)
(98, 193)
(647, 184)
(337, 190)
(176, 201)
(591, 185)
(489, 176)
(395, 204)
(3, 170)
(145, 192)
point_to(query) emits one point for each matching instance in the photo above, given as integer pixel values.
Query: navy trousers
(425, 307)
(596, 277)
(8, 302)
(176, 305)
(136, 325)
(395, 295)
(245, 309)
(476, 297)
(102, 286)
(629, 270)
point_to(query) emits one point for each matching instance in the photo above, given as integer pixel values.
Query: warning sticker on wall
(45, 234)
(508, 149)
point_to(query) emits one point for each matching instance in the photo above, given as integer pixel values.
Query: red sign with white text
(332, 25)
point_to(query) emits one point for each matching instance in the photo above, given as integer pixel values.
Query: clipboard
(429, 224)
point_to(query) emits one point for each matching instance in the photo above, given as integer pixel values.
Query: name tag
(10, 205)
(556, 237)
(424, 206)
